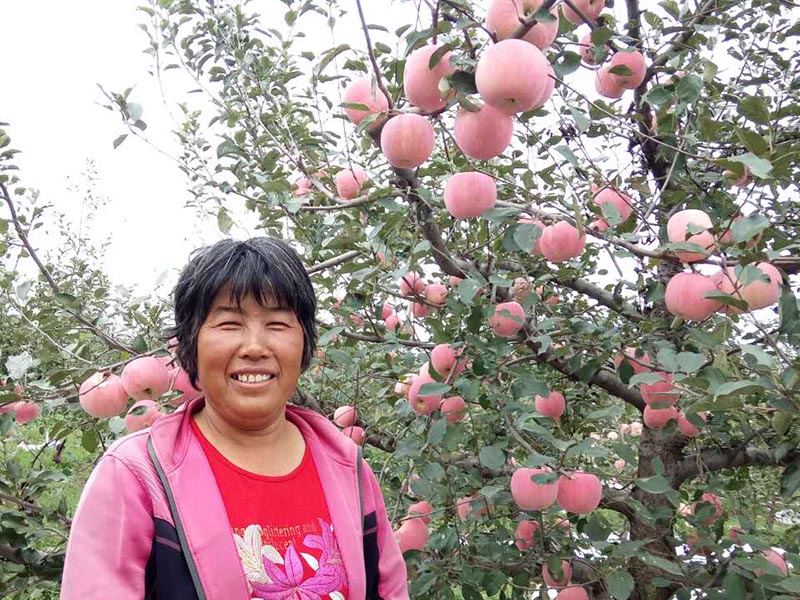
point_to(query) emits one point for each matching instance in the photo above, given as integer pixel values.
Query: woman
(239, 495)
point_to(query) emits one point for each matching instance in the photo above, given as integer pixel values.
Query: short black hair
(265, 267)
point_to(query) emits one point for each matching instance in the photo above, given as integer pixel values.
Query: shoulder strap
(359, 458)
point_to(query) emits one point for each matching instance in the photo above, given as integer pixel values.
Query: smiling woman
(239, 495)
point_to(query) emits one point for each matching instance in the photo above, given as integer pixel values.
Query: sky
(54, 56)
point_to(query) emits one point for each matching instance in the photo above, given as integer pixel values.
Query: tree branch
(716, 459)
(110, 341)
(372, 59)
(332, 262)
(698, 19)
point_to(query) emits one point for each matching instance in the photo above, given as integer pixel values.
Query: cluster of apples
(24, 411)
(685, 295)
(413, 532)
(512, 76)
(445, 361)
(144, 379)
(660, 397)
(345, 417)
(576, 492)
(423, 297)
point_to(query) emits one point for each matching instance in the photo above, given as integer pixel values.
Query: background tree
(679, 328)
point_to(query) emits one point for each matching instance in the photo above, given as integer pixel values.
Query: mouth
(252, 378)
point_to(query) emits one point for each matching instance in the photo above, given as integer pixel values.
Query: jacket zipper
(173, 507)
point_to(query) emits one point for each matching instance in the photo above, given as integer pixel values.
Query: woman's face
(248, 360)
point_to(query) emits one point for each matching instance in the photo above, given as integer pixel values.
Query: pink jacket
(125, 543)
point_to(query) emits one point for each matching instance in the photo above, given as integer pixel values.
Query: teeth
(249, 378)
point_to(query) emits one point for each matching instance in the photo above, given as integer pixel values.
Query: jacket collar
(202, 513)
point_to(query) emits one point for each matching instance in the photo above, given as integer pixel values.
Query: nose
(255, 343)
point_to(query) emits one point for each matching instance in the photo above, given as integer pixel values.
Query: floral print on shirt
(272, 576)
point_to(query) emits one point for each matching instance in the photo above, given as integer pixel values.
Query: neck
(275, 448)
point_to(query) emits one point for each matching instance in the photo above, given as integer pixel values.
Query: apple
(444, 359)
(688, 428)
(508, 319)
(685, 296)
(145, 378)
(504, 17)
(349, 182)
(411, 284)
(553, 405)
(454, 409)
(524, 534)
(422, 510)
(635, 63)
(572, 593)
(470, 506)
(552, 581)
(677, 233)
(345, 416)
(469, 194)
(103, 395)
(421, 83)
(579, 492)
(511, 75)
(412, 535)
(407, 140)
(354, 433)
(483, 134)
(657, 418)
(530, 495)
(606, 85)
(757, 294)
(142, 415)
(362, 92)
(436, 294)
(660, 392)
(24, 411)
(179, 380)
(561, 242)
(591, 9)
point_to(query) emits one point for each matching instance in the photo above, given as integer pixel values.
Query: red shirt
(282, 529)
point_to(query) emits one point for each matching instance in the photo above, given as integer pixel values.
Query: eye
(229, 324)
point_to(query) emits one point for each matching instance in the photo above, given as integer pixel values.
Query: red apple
(530, 495)
(103, 396)
(579, 493)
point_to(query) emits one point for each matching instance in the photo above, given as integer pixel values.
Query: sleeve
(392, 576)
(110, 538)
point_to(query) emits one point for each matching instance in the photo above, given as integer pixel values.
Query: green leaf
(734, 587)
(790, 315)
(749, 227)
(467, 290)
(790, 481)
(689, 362)
(657, 484)
(647, 378)
(661, 563)
(752, 141)
(224, 221)
(737, 388)
(760, 167)
(492, 457)
(620, 584)
(437, 431)
(89, 440)
(525, 236)
(433, 389)
(754, 108)
(689, 88)
(228, 148)
(119, 140)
